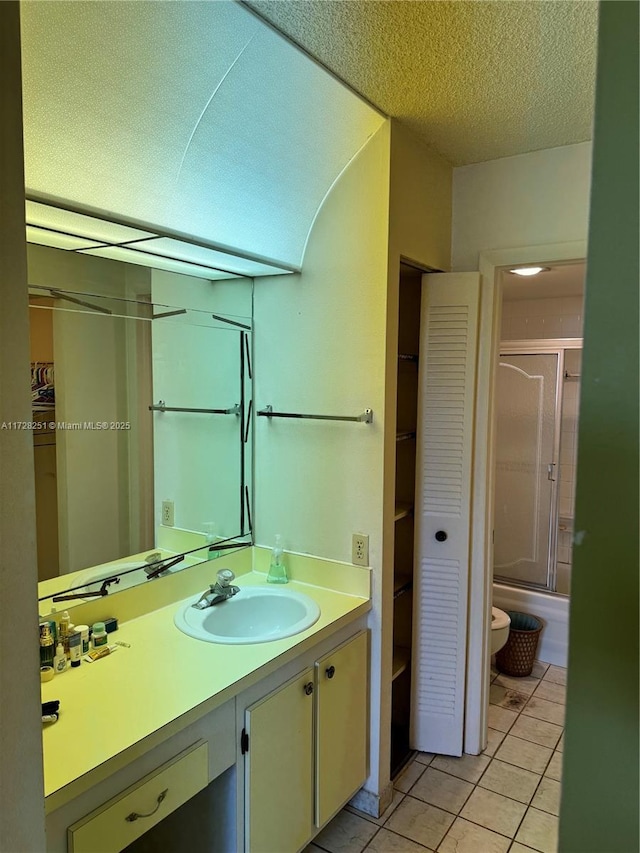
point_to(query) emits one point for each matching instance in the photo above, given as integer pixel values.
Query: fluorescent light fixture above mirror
(73, 231)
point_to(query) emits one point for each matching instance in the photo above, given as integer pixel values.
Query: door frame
(481, 556)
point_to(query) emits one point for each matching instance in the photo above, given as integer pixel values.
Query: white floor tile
(514, 782)
(539, 830)
(540, 669)
(468, 767)
(442, 790)
(411, 773)
(465, 837)
(551, 691)
(557, 674)
(347, 833)
(507, 698)
(424, 757)
(537, 731)
(542, 709)
(519, 848)
(493, 811)
(390, 842)
(554, 769)
(560, 746)
(523, 753)
(547, 797)
(501, 718)
(420, 822)
(527, 684)
(494, 739)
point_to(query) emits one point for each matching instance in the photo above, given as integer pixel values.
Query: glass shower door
(525, 468)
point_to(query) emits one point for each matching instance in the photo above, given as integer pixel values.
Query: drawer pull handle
(135, 815)
(331, 671)
(308, 688)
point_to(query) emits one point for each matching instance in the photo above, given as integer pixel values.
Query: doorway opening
(537, 398)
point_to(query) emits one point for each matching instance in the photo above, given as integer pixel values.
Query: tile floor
(506, 800)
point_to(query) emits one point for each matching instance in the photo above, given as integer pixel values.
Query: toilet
(500, 623)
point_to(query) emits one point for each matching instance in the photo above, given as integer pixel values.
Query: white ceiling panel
(77, 224)
(190, 116)
(131, 256)
(44, 237)
(168, 247)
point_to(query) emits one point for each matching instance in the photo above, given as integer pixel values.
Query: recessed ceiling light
(529, 270)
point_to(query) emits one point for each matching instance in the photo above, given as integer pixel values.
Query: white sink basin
(253, 615)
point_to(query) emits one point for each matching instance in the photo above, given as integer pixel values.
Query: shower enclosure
(535, 462)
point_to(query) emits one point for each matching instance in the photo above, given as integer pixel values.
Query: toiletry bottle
(46, 646)
(84, 633)
(277, 571)
(60, 660)
(98, 635)
(75, 648)
(65, 630)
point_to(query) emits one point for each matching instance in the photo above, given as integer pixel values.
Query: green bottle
(277, 571)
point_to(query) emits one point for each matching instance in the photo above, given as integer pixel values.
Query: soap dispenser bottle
(277, 570)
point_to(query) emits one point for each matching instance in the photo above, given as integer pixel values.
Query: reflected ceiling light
(529, 270)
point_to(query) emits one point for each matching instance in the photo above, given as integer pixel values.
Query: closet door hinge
(244, 742)
(551, 471)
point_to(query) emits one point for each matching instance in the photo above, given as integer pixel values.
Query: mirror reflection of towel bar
(162, 407)
(366, 417)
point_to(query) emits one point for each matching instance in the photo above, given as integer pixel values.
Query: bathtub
(553, 610)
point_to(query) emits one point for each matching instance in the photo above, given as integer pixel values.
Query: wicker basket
(518, 654)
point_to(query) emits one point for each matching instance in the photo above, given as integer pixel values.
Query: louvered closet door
(448, 355)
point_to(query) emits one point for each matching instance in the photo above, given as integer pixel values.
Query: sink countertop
(164, 680)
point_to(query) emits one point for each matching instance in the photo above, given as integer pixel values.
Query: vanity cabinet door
(341, 726)
(279, 769)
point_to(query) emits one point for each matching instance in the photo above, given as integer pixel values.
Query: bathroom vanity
(206, 746)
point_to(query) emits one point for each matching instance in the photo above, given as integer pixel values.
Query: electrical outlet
(167, 513)
(360, 549)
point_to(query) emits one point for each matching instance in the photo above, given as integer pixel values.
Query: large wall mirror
(141, 383)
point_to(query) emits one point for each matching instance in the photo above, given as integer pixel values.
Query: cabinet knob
(330, 671)
(441, 536)
(308, 688)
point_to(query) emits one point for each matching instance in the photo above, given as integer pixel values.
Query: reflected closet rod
(366, 417)
(161, 407)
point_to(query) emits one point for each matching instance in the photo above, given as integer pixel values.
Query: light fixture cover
(528, 271)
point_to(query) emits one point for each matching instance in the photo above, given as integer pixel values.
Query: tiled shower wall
(536, 319)
(531, 319)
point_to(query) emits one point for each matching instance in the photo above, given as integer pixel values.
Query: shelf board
(401, 658)
(402, 583)
(402, 510)
(406, 436)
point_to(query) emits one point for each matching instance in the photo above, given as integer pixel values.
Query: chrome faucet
(217, 592)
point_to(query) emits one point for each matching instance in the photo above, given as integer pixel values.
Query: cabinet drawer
(110, 828)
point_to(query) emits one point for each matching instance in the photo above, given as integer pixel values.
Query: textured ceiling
(475, 80)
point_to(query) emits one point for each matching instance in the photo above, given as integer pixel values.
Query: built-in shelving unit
(406, 418)
(403, 509)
